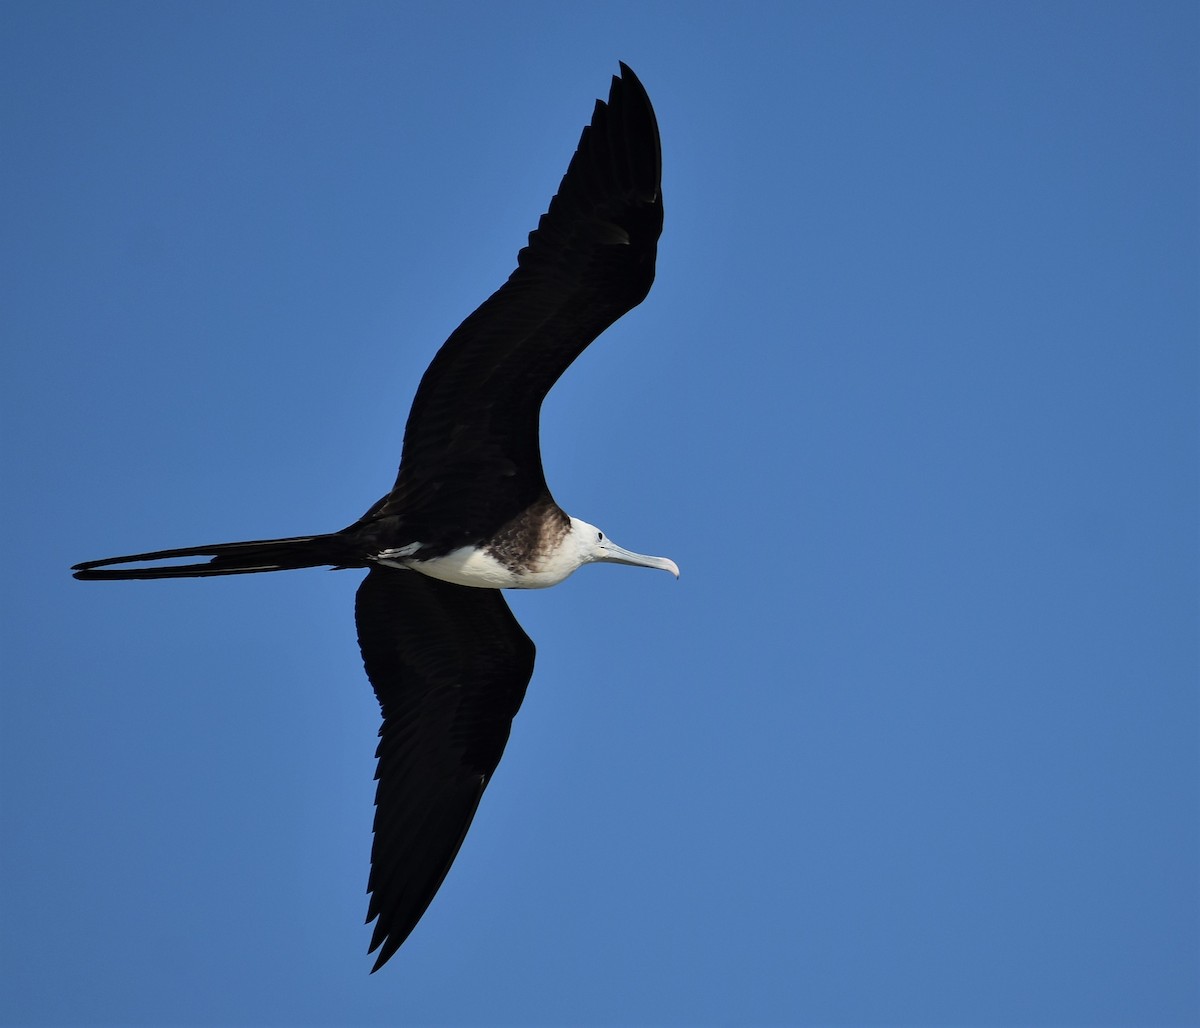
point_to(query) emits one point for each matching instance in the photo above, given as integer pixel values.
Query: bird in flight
(470, 513)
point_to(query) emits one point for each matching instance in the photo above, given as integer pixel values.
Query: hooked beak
(609, 552)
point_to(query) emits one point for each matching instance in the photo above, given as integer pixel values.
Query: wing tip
(629, 76)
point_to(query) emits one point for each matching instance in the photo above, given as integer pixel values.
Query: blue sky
(913, 403)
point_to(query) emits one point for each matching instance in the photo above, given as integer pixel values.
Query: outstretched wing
(449, 665)
(471, 443)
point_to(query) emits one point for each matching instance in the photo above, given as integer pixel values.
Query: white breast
(467, 566)
(476, 568)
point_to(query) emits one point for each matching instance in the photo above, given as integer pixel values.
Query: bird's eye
(600, 537)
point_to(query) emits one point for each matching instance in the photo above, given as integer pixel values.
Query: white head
(593, 547)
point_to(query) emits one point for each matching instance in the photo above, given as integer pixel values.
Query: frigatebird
(470, 513)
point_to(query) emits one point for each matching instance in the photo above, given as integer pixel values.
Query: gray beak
(609, 552)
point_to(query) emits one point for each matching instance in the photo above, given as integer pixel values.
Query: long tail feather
(305, 551)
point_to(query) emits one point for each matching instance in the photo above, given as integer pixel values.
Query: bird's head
(593, 547)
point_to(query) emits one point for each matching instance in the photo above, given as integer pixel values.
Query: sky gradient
(913, 404)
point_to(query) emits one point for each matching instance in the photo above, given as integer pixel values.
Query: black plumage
(448, 662)
(447, 711)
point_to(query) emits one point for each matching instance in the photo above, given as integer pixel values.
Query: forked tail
(305, 551)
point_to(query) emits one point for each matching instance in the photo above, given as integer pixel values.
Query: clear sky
(913, 403)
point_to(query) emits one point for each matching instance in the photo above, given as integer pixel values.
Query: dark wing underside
(449, 665)
(471, 443)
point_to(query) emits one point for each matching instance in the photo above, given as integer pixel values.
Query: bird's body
(534, 556)
(470, 513)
